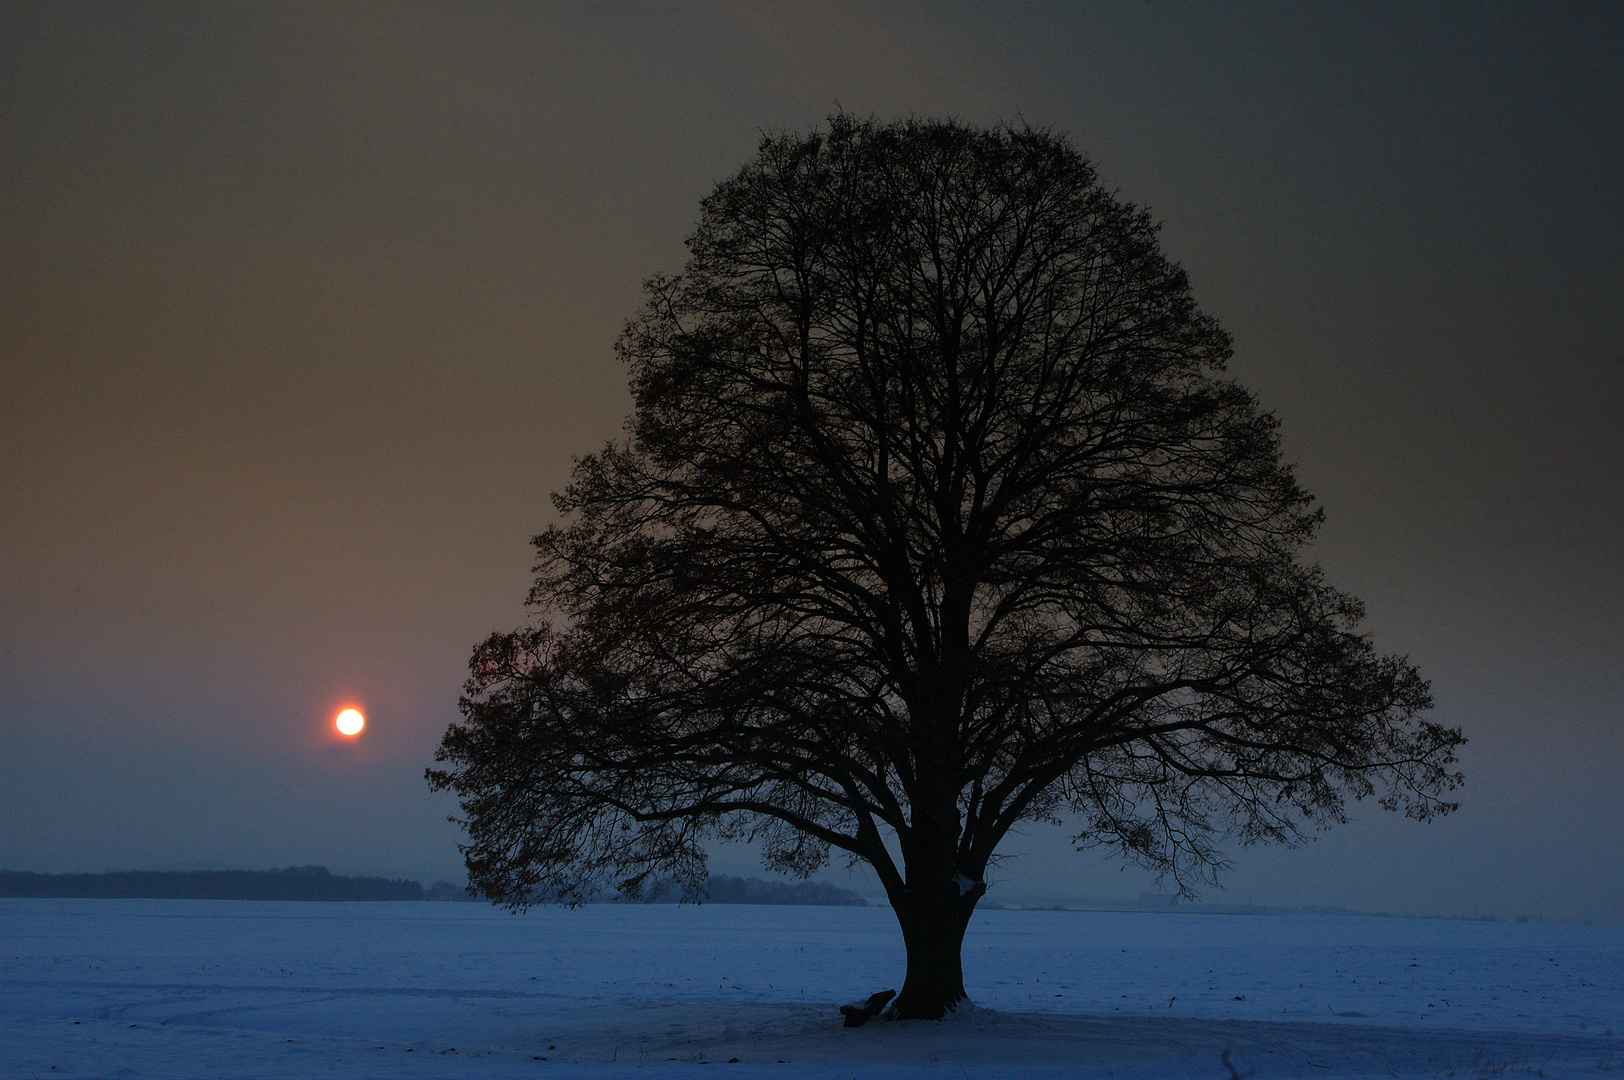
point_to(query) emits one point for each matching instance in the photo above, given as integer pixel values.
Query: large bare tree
(936, 515)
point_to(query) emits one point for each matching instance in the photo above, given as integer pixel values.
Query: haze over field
(303, 313)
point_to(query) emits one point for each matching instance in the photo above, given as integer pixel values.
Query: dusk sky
(304, 310)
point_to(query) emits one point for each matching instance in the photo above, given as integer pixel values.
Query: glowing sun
(350, 722)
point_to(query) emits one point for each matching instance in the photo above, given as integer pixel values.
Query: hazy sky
(305, 309)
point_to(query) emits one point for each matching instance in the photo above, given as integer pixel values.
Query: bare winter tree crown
(936, 514)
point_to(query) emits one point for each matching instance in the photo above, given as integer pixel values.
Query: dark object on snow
(859, 1013)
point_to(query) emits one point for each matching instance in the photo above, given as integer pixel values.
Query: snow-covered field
(176, 989)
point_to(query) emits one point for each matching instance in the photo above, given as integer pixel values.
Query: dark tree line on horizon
(291, 883)
(318, 883)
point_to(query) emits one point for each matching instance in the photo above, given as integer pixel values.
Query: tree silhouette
(935, 515)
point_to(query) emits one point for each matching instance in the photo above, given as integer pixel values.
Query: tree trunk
(933, 931)
(935, 904)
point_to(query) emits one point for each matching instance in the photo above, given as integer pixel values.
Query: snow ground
(177, 989)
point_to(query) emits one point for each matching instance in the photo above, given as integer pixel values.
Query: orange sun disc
(350, 722)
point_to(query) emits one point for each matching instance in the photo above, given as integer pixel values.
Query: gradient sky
(305, 309)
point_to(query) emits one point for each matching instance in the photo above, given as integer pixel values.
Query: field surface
(176, 989)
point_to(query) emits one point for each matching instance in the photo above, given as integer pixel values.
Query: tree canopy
(936, 514)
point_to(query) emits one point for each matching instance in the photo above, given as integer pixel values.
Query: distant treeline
(1154, 902)
(722, 889)
(318, 883)
(293, 883)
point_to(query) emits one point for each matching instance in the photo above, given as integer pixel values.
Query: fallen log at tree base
(859, 1013)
